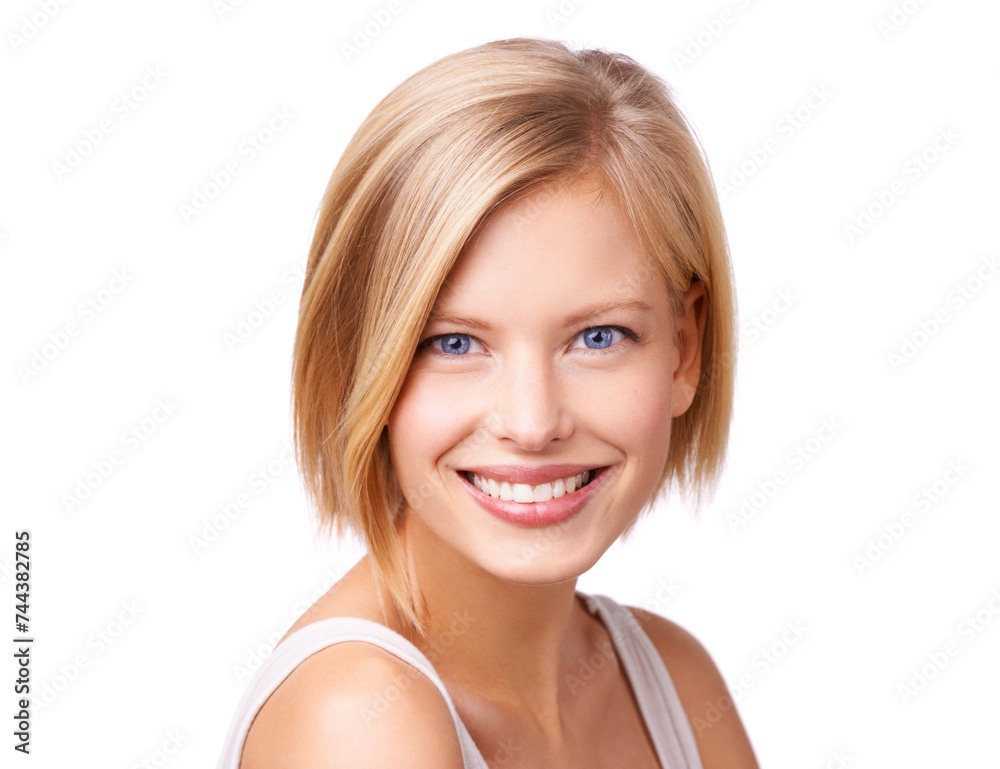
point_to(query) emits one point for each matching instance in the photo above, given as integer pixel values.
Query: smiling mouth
(525, 493)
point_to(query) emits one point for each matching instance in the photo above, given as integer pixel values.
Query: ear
(690, 335)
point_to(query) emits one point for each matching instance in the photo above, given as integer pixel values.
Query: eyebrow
(573, 320)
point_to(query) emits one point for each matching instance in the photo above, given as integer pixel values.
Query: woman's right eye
(451, 345)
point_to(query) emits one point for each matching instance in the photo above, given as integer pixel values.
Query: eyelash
(612, 350)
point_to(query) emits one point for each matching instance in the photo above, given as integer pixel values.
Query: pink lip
(539, 513)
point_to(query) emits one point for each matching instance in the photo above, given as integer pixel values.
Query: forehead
(559, 248)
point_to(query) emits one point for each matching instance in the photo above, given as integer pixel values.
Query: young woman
(516, 336)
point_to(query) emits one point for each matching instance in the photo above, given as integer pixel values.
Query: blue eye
(603, 338)
(451, 344)
(598, 340)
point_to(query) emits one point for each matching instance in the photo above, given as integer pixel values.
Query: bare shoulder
(722, 741)
(353, 704)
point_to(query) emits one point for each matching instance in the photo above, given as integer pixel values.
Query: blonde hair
(434, 159)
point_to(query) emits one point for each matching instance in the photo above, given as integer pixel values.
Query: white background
(895, 76)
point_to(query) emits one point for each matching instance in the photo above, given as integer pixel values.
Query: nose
(528, 407)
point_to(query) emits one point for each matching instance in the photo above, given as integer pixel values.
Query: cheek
(639, 414)
(424, 424)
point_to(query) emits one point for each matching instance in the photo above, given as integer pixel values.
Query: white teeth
(524, 493)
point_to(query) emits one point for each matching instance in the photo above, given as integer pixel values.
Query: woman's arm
(327, 715)
(718, 731)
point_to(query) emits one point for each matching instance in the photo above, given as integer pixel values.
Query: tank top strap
(314, 637)
(650, 680)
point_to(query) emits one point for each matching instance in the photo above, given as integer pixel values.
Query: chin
(540, 562)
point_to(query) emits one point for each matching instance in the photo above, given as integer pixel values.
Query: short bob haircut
(430, 164)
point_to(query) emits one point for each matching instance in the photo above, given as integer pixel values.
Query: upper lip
(533, 476)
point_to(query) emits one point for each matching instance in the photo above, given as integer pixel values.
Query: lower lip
(536, 514)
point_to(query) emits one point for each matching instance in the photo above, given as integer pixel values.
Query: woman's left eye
(600, 338)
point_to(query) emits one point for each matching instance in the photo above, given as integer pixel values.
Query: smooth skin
(549, 343)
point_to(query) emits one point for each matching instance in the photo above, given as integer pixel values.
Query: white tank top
(654, 690)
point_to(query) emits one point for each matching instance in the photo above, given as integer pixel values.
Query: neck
(511, 645)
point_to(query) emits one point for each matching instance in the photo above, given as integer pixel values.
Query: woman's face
(551, 349)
